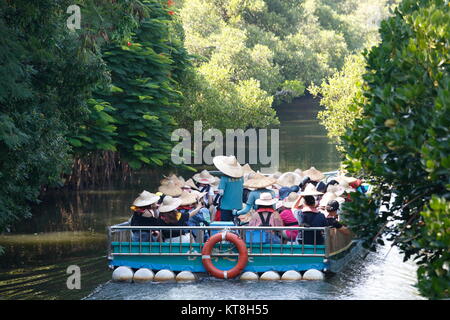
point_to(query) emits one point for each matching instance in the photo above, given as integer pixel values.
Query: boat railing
(138, 240)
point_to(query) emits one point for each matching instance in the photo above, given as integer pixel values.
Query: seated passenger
(170, 216)
(192, 203)
(333, 218)
(144, 214)
(266, 216)
(309, 216)
(288, 218)
(260, 183)
(204, 182)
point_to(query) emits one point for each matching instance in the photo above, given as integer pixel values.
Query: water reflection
(303, 141)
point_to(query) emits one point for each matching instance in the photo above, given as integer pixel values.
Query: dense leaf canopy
(273, 48)
(400, 144)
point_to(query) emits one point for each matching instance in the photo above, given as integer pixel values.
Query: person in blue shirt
(260, 183)
(231, 185)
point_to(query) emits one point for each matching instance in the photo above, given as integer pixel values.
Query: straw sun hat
(328, 196)
(170, 188)
(266, 199)
(145, 199)
(229, 166)
(179, 181)
(310, 190)
(187, 198)
(336, 189)
(314, 174)
(247, 169)
(190, 184)
(203, 177)
(299, 172)
(259, 181)
(289, 179)
(345, 181)
(198, 195)
(290, 200)
(169, 204)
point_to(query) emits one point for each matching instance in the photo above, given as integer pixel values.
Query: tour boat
(229, 250)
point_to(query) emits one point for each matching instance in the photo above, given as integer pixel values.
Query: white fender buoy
(313, 274)
(122, 274)
(249, 276)
(164, 275)
(185, 276)
(291, 275)
(143, 275)
(270, 276)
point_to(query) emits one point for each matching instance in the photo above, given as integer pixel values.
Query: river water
(69, 228)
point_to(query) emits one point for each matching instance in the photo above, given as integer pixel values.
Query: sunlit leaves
(401, 139)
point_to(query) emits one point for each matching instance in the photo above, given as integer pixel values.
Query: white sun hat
(290, 200)
(204, 177)
(310, 190)
(145, 199)
(259, 181)
(229, 166)
(266, 199)
(289, 179)
(170, 188)
(169, 204)
(328, 196)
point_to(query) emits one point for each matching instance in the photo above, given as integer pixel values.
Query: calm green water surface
(70, 229)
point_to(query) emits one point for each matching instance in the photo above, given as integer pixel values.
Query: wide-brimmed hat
(215, 184)
(314, 174)
(145, 199)
(169, 204)
(198, 195)
(299, 172)
(179, 181)
(190, 184)
(328, 196)
(345, 178)
(259, 181)
(289, 179)
(344, 182)
(187, 198)
(310, 190)
(290, 200)
(266, 199)
(170, 188)
(247, 169)
(229, 166)
(203, 177)
(336, 189)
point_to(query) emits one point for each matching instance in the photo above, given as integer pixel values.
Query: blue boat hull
(139, 255)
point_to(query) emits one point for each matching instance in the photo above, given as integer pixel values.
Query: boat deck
(263, 254)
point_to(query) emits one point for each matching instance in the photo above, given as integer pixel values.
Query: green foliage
(434, 273)
(136, 115)
(275, 42)
(337, 95)
(47, 75)
(289, 90)
(400, 143)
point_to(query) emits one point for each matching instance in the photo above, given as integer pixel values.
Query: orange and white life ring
(242, 259)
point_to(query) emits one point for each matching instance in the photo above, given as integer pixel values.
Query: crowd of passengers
(246, 198)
